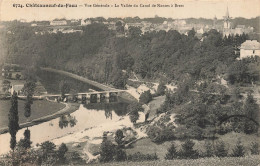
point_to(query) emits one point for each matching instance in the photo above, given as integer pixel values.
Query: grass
(227, 161)
(146, 146)
(39, 109)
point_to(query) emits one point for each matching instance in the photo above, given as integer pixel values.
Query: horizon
(125, 18)
(192, 9)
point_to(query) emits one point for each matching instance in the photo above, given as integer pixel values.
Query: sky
(192, 8)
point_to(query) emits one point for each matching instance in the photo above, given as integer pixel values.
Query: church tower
(227, 21)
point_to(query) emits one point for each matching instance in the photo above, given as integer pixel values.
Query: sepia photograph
(129, 82)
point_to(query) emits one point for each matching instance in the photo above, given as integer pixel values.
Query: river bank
(67, 109)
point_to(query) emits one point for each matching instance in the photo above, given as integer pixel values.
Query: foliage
(13, 124)
(119, 136)
(209, 149)
(161, 90)
(133, 109)
(254, 148)
(64, 88)
(172, 153)
(61, 152)
(47, 148)
(26, 141)
(145, 97)
(221, 150)
(107, 150)
(239, 150)
(187, 150)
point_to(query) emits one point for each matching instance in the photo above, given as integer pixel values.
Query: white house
(250, 48)
(16, 88)
(58, 22)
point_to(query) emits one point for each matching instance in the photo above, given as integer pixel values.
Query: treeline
(99, 55)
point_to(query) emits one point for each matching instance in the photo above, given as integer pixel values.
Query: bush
(159, 135)
(254, 148)
(172, 153)
(145, 97)
(187, 150)
(75, 158)
(142, 157)
(239, 150)
(120, 154)
(209, 149)
(160, 90)
(61, 152)
(221, 150)
(133, 110)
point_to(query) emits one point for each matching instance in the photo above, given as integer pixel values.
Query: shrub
(120, 154)
(209, 149)
(61, 152)
(142, 157)
(75, 158)
(145, 97)
(239, 150)
(221, 150)
(187, 150)
(107, 151)
(172, 153)
(254, 148)
(159, 135)
(133, 110)
(160, 90)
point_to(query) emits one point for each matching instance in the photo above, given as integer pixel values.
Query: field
(39, 109)
(227, 161)
(146, 146)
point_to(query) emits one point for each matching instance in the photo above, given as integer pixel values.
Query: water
(87, 116)
(81, 119)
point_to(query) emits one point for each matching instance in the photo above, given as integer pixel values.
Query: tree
(191, 33)
(209, 149)
(64, 88)
(171, 153)
(13, 124)
(135, 32)
(47, 148)
(254, 148)
(239, 150)
(161, 89)
(221, 150)
(107, 150)
(251, 109)
(145, 97)
(187, 150)
(61, 152)
(119, 136)
(133, 110)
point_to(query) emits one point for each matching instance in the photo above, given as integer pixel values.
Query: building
(58, 22)
(85, 22)
(16, 88)
(249, 48)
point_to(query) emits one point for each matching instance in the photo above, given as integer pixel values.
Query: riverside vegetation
(204, 109)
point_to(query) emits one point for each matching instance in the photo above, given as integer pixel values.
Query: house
(85, 22)
(16, 88)
(58, 22)
(249, 48)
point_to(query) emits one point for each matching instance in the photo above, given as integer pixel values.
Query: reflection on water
(86, 116)
(66, 120)
(51, 82)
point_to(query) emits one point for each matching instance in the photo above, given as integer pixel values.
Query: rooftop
(250, 45)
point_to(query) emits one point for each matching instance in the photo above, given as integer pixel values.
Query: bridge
(84, 97)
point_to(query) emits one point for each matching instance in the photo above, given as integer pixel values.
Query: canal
(87, 116)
